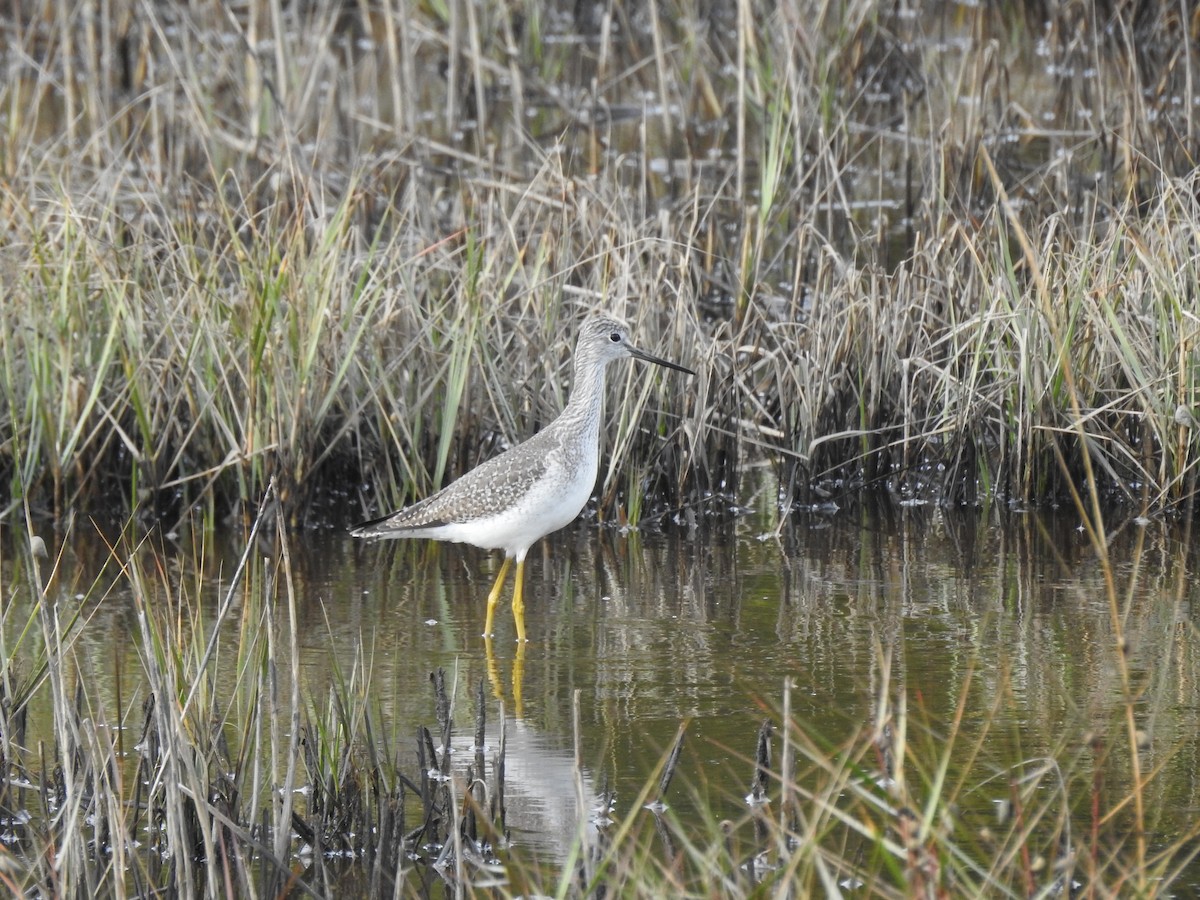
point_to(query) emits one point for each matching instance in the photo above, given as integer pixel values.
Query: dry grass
(329, 247)
(339, 248)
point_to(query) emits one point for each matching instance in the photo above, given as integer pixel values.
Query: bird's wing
(490, 488)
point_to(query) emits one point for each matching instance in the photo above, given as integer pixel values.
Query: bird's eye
(615, 337)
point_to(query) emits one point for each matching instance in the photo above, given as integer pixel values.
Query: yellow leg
(494, 596)
(519, 602)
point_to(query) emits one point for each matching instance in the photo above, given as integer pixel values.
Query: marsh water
(1005, 615)
(993, 638)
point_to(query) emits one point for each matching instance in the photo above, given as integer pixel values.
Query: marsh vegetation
(268, 268)
(943, 248)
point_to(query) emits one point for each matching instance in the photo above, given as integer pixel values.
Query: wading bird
(513, 500)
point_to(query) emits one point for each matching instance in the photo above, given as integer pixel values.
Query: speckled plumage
(512, 500)
(490, 488)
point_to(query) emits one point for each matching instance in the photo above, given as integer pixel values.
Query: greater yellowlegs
(511, 501)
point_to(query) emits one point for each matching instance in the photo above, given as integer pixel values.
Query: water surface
(706, 624)
(1006, 615)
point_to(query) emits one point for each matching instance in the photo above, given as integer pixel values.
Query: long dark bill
(641, 354)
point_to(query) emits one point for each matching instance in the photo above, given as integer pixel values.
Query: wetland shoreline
(269, 268)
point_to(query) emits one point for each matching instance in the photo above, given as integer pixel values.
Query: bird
(513, 500)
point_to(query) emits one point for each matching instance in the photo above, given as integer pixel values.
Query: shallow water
(652, 628)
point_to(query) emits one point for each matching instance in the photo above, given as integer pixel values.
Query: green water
(706, 625)
(1009, 619)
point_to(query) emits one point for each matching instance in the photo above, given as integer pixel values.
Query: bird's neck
(586, 404)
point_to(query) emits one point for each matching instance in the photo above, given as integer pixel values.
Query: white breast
(553, 503)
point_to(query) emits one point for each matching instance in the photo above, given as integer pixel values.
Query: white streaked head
(605, 339)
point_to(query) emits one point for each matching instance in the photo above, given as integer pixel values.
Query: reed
(223, 769)
(338, 249)
(335, 257)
